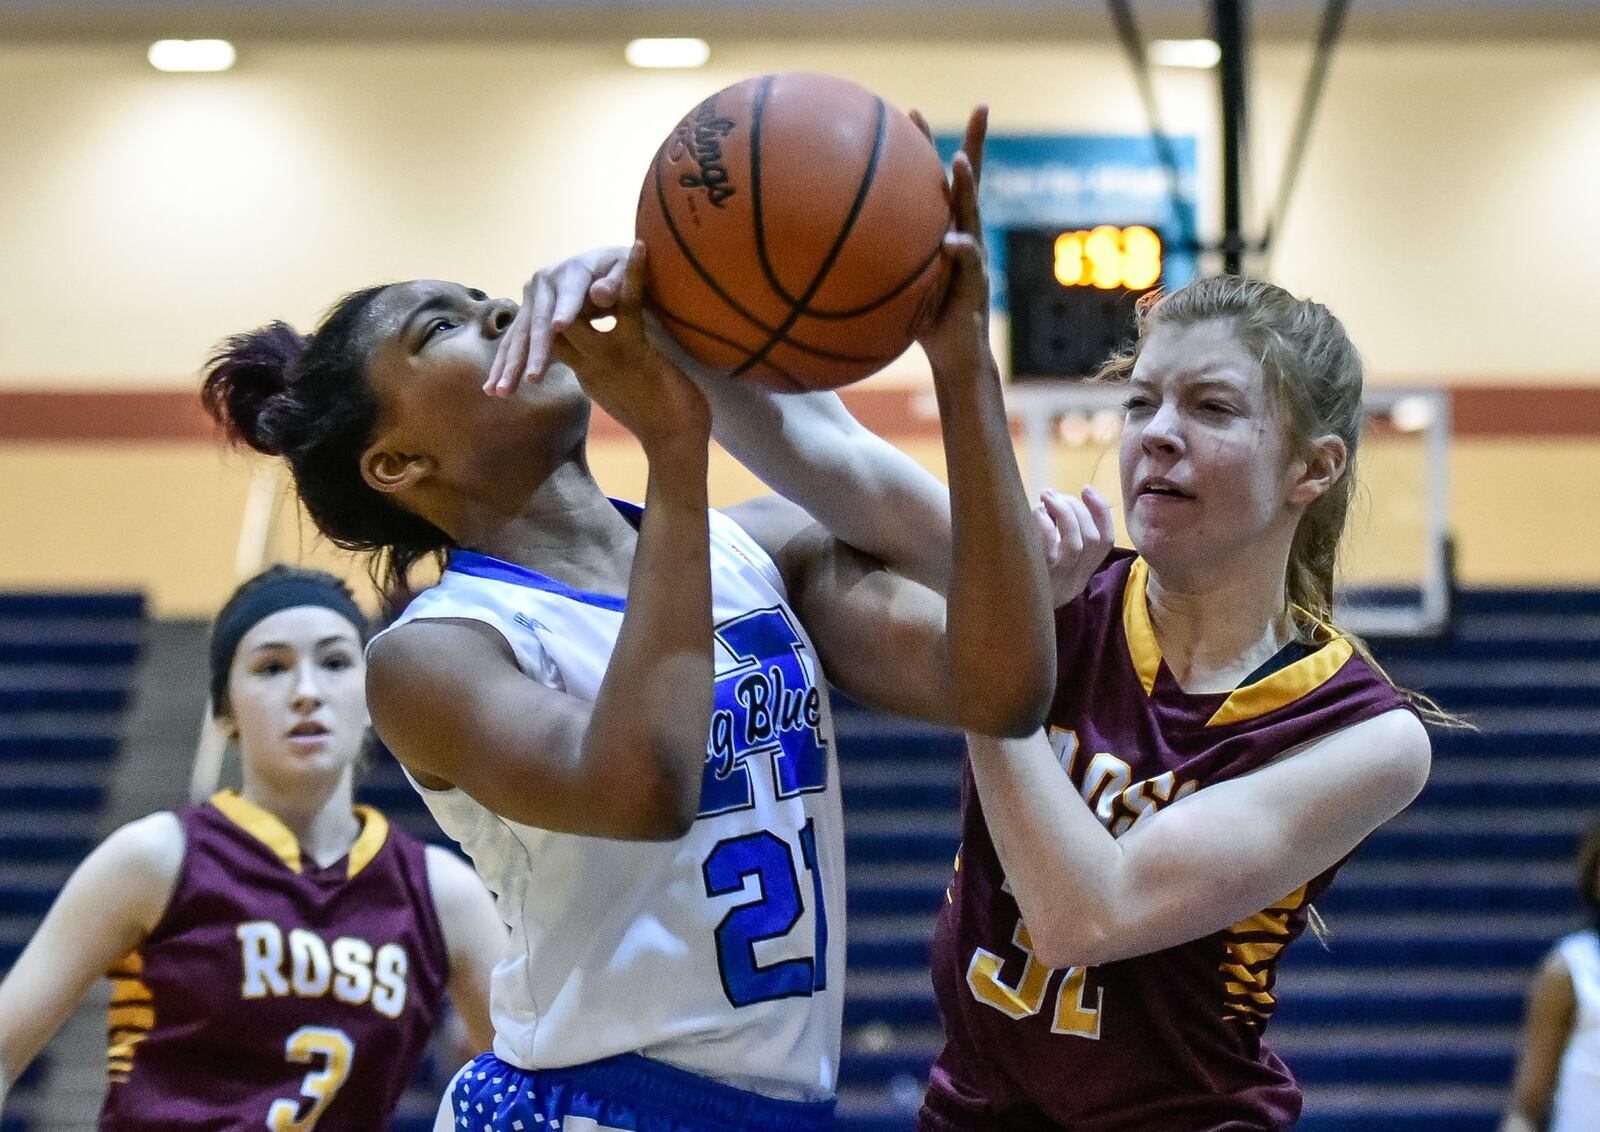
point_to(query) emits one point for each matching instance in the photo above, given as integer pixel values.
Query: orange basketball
(793, 224)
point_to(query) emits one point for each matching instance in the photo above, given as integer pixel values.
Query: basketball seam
(799, 385)
(796, 343)
(796, 312)
(856, 312)
(710, 281)
(757, 108)
(693, 260)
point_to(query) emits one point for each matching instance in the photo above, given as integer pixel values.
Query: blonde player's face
(1205, 463)
(297, 697)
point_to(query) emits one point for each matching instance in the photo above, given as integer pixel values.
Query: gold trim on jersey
(1284, 686)
(267, 829)
(374, 832)
(130, 1018)
(1271, 692)
(1252, 948)
(1136, 627)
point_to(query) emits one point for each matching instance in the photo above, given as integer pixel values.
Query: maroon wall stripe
(168, 415)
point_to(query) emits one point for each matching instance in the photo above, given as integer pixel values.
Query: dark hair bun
(246, 381)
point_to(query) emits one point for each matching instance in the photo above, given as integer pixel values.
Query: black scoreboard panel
(1073, 294)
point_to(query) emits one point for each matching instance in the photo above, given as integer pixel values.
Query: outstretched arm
(1199, 865)
(871, 573)
(474, 937)
(1552, 1010)
(109, 904)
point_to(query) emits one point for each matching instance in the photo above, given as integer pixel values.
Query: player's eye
(434, 327)
(339, 661)
(1136, 404)
(271, 667)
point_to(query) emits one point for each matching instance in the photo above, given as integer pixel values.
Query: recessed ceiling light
(668, 52)
(180, 55)
(1201, 54)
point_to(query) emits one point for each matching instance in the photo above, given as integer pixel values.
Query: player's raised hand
(628, 376)
(1077, 533)
(552, 301)
(956, 337)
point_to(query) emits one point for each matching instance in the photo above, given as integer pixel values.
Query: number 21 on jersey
(772, 915)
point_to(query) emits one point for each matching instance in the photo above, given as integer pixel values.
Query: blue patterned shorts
(627, 1093)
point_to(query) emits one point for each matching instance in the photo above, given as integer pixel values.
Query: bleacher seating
(66, 674)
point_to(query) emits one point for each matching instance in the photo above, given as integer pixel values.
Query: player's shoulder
(153, 844)
(779, 529)
(771, 520)
(142, 860)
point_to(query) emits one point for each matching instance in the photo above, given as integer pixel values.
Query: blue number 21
(772, 915)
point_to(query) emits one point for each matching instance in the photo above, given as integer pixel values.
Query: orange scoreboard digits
(1073, 293)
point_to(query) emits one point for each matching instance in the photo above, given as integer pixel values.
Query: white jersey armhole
(525, 649)
(746, 547)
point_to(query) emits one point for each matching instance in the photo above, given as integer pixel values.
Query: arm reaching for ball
(862, 527)
(986, 654)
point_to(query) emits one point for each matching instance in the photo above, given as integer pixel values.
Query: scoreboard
(1074, 294)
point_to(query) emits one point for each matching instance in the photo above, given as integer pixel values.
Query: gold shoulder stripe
(1137, 629)
(1284, 686)
(374, 831)
(261, 825)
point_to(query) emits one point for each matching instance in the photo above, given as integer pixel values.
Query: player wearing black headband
(278, 955)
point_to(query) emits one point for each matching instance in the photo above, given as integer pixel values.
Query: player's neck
(568, 529)
(325, 827)
(1214, 631)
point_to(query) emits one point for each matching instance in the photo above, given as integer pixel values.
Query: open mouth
(1162, 489)
(308, 730)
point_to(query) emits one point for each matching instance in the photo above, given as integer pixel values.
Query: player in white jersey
(1558, 1073)
(601, 964)
(621, 713)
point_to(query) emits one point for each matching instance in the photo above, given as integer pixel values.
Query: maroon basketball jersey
(1166, 1042)
(273, 993)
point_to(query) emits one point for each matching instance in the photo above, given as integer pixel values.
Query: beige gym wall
(1446, 212)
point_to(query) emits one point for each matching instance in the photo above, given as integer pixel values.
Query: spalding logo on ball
(794, 225)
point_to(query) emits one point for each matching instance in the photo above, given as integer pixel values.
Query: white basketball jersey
(1576, 1107)
(721, 953)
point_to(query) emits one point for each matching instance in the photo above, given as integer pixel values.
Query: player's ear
(388, 471)
(1322, 463)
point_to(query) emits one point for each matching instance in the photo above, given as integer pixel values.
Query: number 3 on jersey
(304, 1046)
(768, 858)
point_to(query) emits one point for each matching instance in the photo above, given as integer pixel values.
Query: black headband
(266, 597)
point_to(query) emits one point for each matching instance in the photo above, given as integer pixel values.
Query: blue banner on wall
(1076, 180)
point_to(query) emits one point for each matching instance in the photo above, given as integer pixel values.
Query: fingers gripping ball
(794, 224)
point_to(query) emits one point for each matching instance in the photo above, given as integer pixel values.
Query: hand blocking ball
(794, 225)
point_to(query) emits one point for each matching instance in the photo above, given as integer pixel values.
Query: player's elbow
(1063, 933)
(662, 802)
(1010, 708)
(1064, 941)
(998, 691)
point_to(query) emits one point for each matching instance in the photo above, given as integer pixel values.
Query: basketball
(793, 224)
